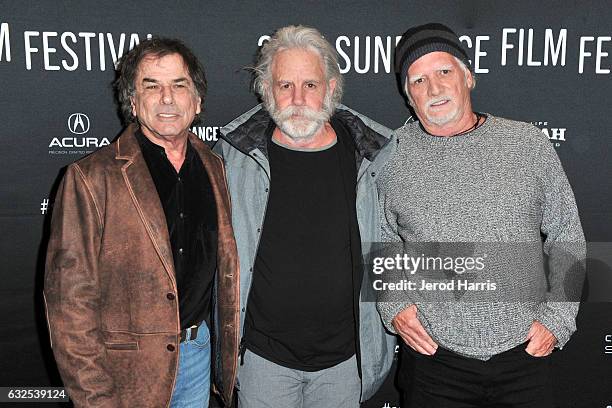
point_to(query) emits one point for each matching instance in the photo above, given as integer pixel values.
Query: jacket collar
(249, 131)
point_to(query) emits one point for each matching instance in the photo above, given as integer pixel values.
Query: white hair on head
(467, 72)
(300, 37)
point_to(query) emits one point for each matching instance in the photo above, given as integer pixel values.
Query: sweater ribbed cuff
(388, 311)
(560, 319)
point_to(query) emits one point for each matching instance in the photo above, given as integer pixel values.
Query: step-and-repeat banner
(546, 62)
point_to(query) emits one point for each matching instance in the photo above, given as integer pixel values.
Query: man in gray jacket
(301, 171)
(492, 197)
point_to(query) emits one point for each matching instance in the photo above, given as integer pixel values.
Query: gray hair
(466, 70)
(291, 37)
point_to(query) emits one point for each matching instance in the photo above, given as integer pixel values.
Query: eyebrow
(415, 76)
(420, 75)
(287, 81)
(182, 79)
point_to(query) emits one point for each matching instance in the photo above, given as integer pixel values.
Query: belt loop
(188, 333)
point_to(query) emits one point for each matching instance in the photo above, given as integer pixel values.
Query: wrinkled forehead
(302, 61)
(155, 63)
(432, 62)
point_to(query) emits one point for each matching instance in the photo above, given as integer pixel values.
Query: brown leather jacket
(110, 288)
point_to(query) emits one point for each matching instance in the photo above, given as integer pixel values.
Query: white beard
(442, 120)
(302, 127)
(305, 124)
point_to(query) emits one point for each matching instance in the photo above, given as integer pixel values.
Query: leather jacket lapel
(144, 195)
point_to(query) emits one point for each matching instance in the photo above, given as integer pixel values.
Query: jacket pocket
(125, 346)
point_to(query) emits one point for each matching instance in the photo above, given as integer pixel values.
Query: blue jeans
(192, 386)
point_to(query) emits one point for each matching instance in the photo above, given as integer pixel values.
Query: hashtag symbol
(44, 205)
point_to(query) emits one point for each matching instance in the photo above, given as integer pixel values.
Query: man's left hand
(541, 340)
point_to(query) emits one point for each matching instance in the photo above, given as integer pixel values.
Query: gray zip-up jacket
(243, 148)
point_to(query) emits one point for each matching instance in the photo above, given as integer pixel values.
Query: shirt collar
(146, 144)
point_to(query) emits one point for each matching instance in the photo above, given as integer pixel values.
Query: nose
(434, 87)
(298, 96)
(167, 96)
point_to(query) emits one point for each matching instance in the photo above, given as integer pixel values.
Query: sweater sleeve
(387, 307)
(564, 244)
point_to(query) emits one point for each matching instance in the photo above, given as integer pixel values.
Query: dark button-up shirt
(189, 206)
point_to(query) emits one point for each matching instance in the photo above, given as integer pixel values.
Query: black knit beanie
(421, 40)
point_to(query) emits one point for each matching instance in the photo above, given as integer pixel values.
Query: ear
(332, 85)
(266, 86)
(199, 105)
(407, 91)
(469, 79)
(410, 101)
(133, 105)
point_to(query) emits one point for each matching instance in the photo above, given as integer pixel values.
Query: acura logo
(78, 123)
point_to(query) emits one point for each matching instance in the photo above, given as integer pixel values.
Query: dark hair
(127, 68)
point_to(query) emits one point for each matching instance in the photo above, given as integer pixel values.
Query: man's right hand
(413, 333)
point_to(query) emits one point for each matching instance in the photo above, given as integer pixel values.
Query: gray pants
(264, 384)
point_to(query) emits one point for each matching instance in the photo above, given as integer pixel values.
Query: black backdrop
(543, 62)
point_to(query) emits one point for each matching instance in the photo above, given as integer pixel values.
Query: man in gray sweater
(476, 183)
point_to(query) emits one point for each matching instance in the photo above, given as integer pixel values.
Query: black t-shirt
(191, 216)
(300, 307)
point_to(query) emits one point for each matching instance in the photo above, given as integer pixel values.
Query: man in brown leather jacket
(142, 268)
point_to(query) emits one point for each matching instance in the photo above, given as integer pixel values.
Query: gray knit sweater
(502, 182)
